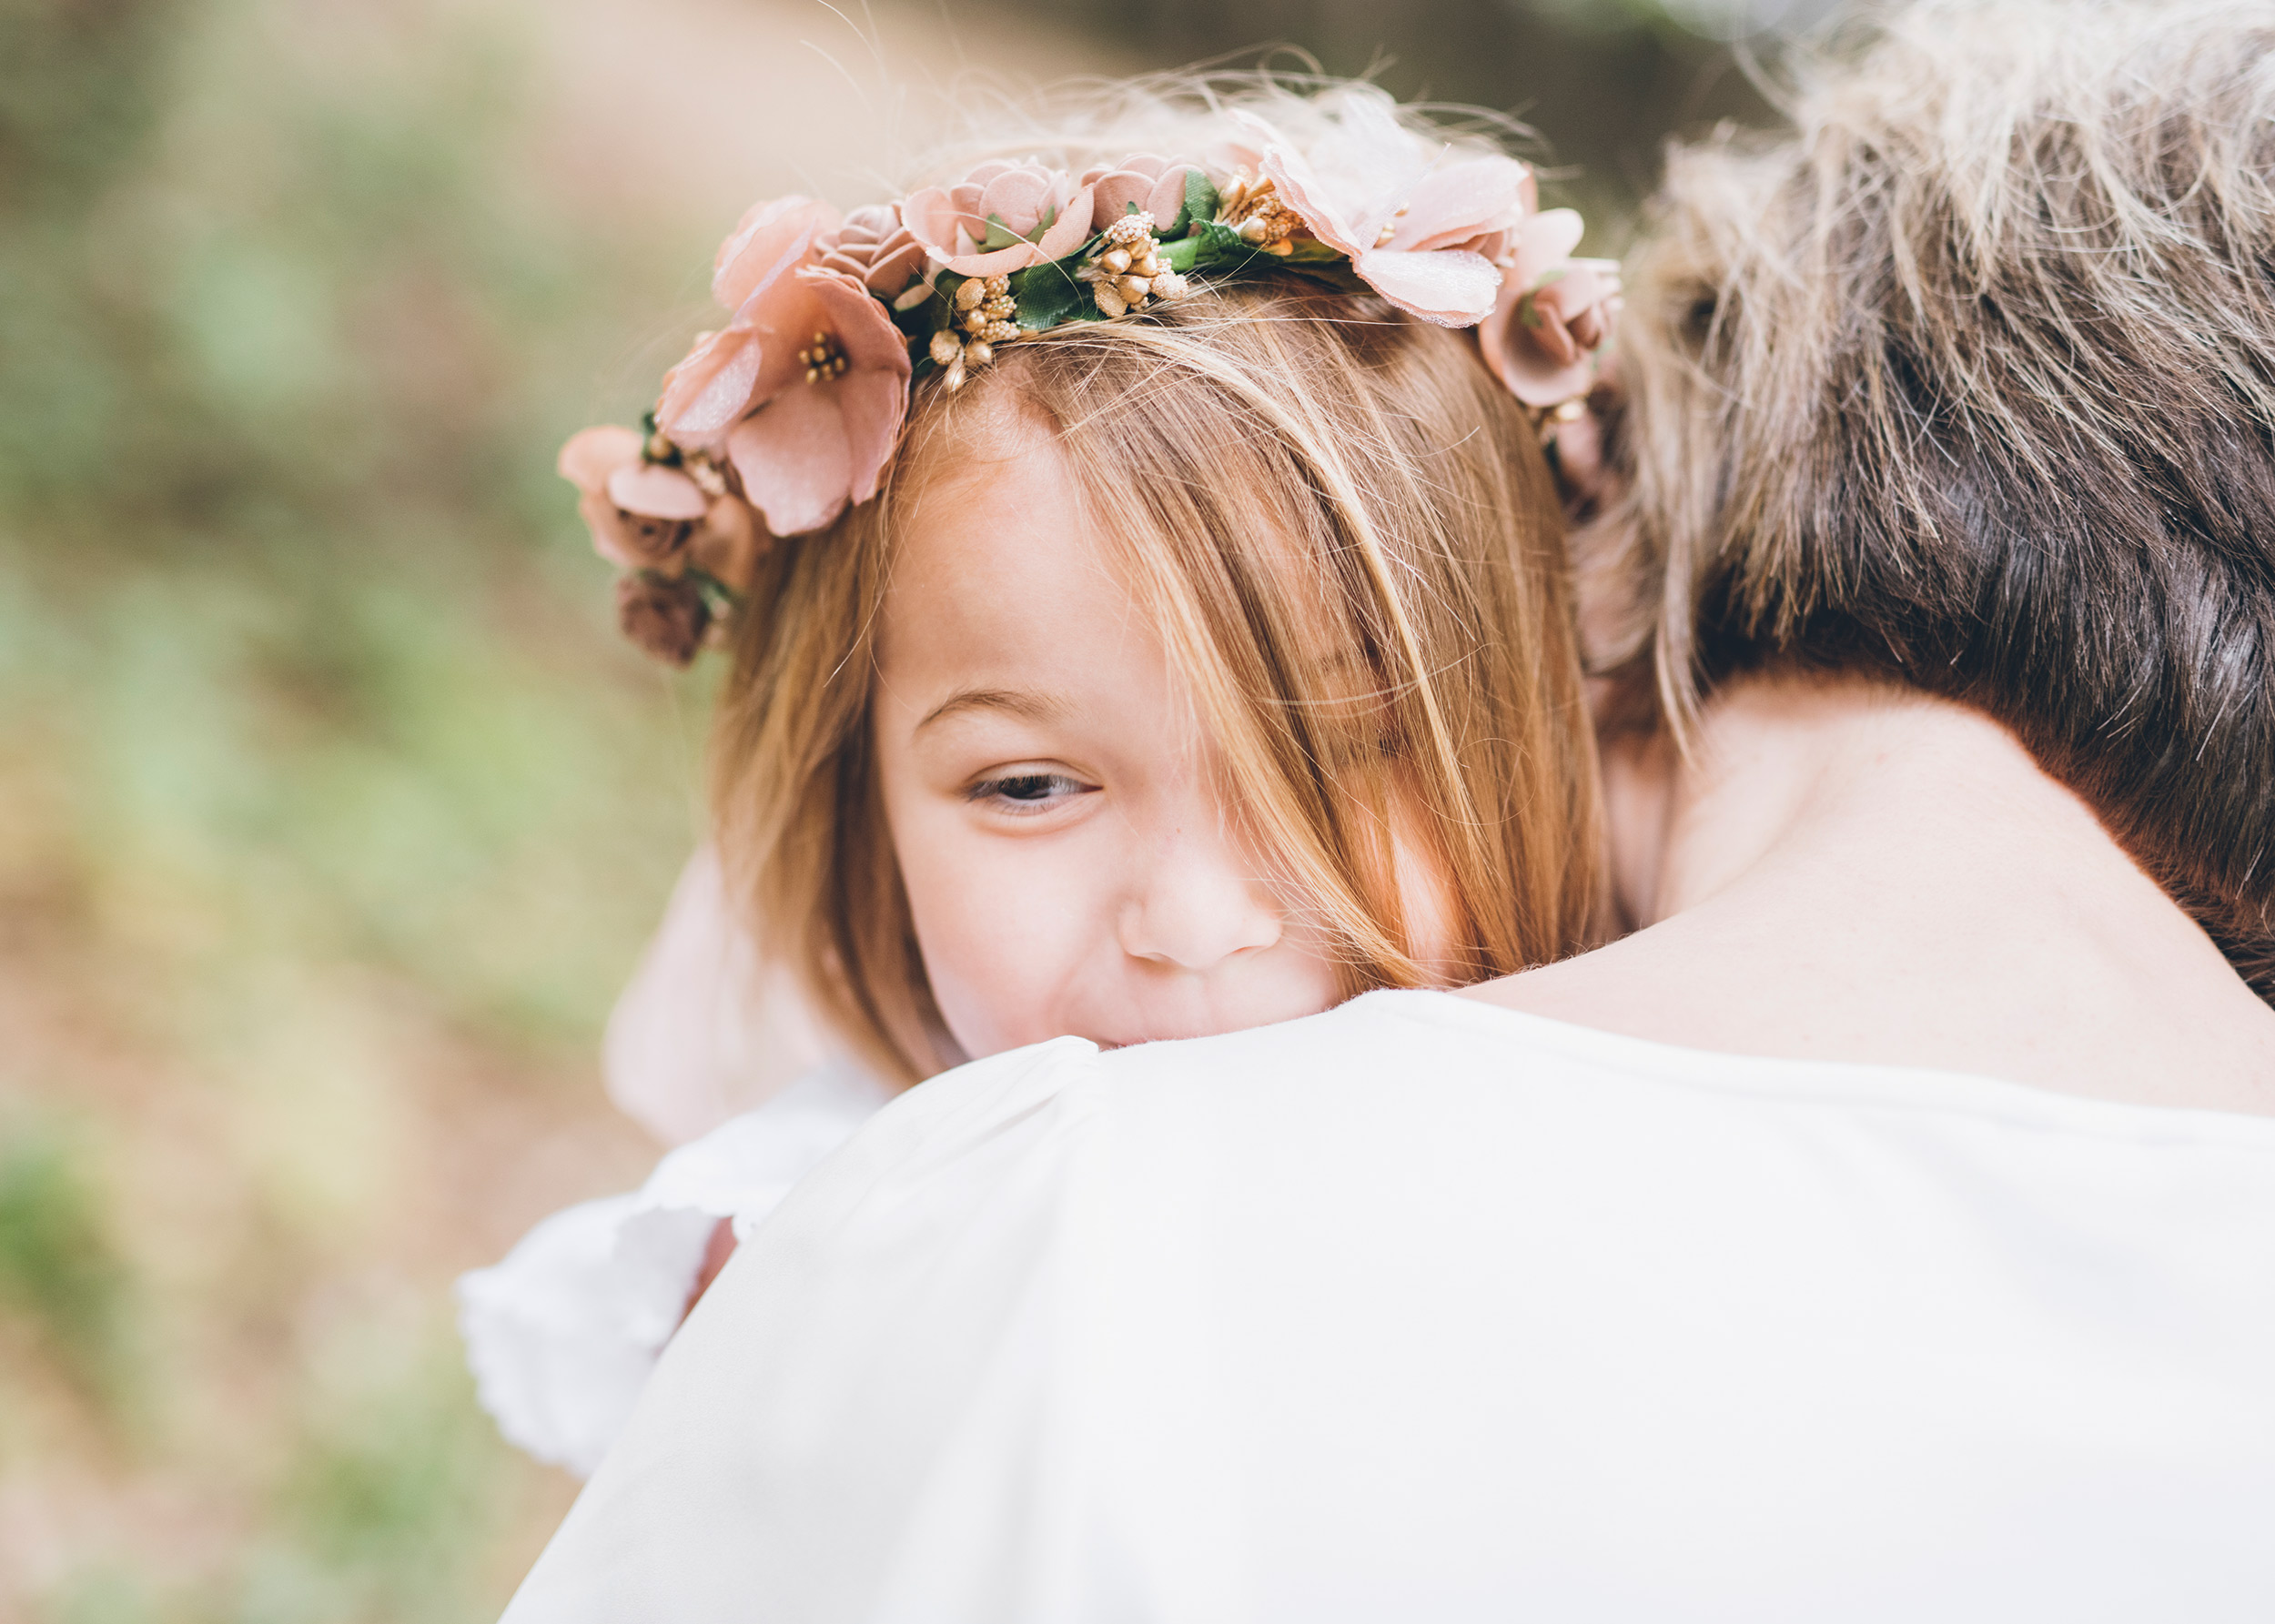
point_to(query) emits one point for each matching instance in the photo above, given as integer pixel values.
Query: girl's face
(1053, 800)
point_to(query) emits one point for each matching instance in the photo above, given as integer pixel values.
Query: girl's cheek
(995, 942)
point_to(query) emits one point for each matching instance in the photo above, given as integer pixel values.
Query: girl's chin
(1173, 1032)
(1128, 1029)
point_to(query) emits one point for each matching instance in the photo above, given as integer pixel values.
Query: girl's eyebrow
(1017, 701)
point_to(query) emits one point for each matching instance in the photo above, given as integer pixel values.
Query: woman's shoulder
(1065, 1326)
(1386, 1082)
(1415, 1055)
(1423, 1119)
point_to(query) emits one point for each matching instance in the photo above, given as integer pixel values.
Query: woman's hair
(1351, 542)
(1968, 381)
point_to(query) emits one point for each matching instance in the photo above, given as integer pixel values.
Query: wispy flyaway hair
(1968, 381)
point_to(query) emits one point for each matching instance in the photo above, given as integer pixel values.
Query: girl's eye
(1024, 794)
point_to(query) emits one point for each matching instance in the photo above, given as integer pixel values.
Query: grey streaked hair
(1967, 380)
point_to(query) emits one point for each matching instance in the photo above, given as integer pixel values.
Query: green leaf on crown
(1049, 296)
(1201, 206)
(1000, 235)
(1216, 246)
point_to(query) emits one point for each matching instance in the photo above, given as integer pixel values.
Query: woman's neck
(1839, 871)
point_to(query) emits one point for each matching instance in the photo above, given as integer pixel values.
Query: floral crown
(773, 424)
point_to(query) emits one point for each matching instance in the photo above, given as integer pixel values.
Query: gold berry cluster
(985, 312)
(1128, 270)
(824, 358)
(1252, 207)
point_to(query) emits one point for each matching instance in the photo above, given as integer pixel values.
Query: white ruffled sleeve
(563, 1334)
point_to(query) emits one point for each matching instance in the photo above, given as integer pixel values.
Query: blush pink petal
(1583, 287)
(773, 237)
(890, 274)
(1493, 333)
(1167, 200)
(970, 199)
(872, 405)
(872, 396)
(1232, 157)
(1447, 285)
(787, 318)
(591, 455)
(1069, 230)
(811, 447)
(1300, 187)
(1366, 160)
(820, 300)
(1545, 243)
(1000, 262)
(1541, 365)
(1114, 191)
(872, 342)
(795, 461)
(943, 226)
(1018, 198)
(711, 387)
(952, 222)
(657, 492)
(1450, 207)
(1533, 378)
(873, 245)
(1155, 185)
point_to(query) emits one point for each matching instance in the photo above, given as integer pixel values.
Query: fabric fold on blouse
(563, 1334)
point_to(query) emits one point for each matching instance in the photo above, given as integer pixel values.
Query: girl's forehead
(1001, 533)
(1011, 557)
(999, 578)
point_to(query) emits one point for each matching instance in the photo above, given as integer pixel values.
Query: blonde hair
(1351, 542)
(1968, 381)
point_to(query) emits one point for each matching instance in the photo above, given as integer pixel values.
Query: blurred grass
(60, 1270)
(331, 811)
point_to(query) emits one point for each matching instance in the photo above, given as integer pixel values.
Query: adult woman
(1704, 1297)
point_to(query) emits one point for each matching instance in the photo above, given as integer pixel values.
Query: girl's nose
(1199, 903)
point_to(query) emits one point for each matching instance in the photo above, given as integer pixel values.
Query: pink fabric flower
(873, 248)
(644, 515)
(773, 239)
(1552, 314)
(812, 447)
(665, 618)
(1047, 207)
(641, 516)
(1155, 185)
(710, 389)
(707, 391)
(1413, 233)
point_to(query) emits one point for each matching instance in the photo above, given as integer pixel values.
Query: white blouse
(562, 1334)
(1422, 1309)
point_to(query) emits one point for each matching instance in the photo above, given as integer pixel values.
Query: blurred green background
(333, 813)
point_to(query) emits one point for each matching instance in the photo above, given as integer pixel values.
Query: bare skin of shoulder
(1844, 872)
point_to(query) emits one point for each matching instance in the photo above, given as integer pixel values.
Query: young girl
(1148, 617)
